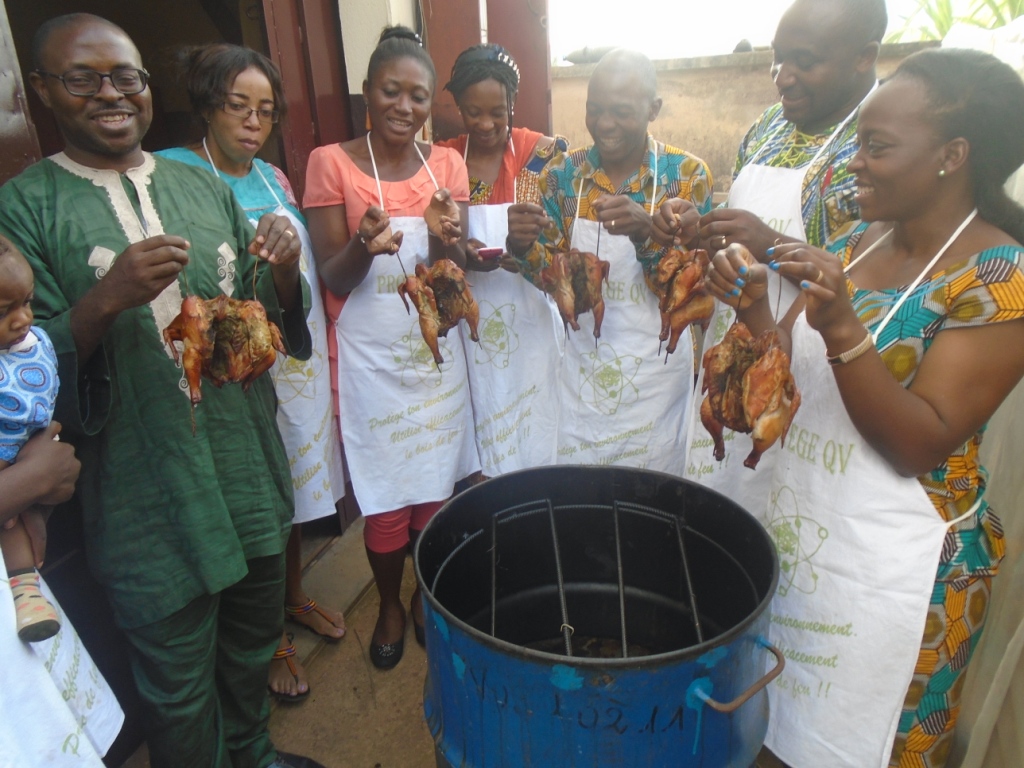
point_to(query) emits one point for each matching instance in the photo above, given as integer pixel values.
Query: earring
(942, 172)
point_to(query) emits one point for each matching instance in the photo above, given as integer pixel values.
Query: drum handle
(735, 704)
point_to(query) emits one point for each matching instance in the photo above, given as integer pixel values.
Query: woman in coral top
(406, 422)
(521, 335)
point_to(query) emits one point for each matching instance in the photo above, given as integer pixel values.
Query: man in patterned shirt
(620, 402)
(791, 181)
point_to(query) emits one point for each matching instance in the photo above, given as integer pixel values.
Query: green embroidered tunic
(168, 515)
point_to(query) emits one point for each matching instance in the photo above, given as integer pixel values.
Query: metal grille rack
(617, 510)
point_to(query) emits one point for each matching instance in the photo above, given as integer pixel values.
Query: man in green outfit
(186, 532)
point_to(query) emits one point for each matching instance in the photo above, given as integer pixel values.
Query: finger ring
(722, 239)
(611, 223)
(288, 232)
(819, 277)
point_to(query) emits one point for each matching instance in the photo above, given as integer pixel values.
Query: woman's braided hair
(485, 62)
(399, 42)
(975, 96)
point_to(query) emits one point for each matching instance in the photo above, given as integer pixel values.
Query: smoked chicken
(678, 282)
(556, 280)
(442, 298)
(426, 307)
(724, 366)
(574, 281)
(440, 210)
(226, 340)
(749, 388)
(770, 396)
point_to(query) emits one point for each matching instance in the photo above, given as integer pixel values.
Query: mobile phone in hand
(490, 253)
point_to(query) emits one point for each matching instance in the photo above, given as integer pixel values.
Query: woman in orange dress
(406, 422)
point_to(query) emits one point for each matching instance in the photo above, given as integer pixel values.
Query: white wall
(361, 23)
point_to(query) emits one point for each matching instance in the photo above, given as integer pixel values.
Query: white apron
(513, 367)
(305, 412)
(859, 548)
(774, 195)
(622, 403)
(407, 426)
(57, 708)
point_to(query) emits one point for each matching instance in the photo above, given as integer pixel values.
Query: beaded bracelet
(852, 354)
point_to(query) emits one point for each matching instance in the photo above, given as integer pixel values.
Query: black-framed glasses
(242, 111)
(87, 82)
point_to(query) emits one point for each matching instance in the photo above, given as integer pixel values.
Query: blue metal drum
(585, 616)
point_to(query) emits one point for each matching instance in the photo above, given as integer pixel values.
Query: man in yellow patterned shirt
(620, 402)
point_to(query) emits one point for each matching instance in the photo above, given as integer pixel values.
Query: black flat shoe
(387, 655)
(288, 760)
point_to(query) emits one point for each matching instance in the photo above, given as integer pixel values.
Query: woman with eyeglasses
(237, 98)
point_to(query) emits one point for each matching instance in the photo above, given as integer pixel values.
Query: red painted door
(304, 40)
(521, 26)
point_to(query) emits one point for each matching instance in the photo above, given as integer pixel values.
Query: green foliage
(933, 19)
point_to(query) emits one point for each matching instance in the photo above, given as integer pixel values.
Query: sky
(673, 29)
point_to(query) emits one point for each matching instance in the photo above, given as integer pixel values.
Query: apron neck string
(654, 190)
(654, 170)
(267, 184)
(579, 194)
(832, 137)
(917, 280)
(509, 147)
(376, 176)
(839, 129)
(255, 167)
(424, 161)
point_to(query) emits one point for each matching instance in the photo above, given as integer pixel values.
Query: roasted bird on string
(573, 279)
(442, 297)
(441, 210)
(678, 283)
(226, 340)
(749, 388)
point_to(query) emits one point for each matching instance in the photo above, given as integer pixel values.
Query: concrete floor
(356, 715)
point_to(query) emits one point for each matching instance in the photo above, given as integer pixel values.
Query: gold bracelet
(868, 342)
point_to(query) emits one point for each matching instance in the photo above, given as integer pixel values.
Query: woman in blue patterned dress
(921, 322)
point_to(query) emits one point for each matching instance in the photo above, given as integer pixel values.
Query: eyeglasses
(87, 82)
(243, 111)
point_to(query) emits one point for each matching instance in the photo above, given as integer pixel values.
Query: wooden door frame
(17, 133)
(304, 41)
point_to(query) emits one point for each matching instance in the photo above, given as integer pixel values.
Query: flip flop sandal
(286, 654)
(291, 611)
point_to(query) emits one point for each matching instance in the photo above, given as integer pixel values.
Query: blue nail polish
(804, 284)
(740, 282)
(742, 270)
(770, 251)
(734, 292)
(773, 265)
